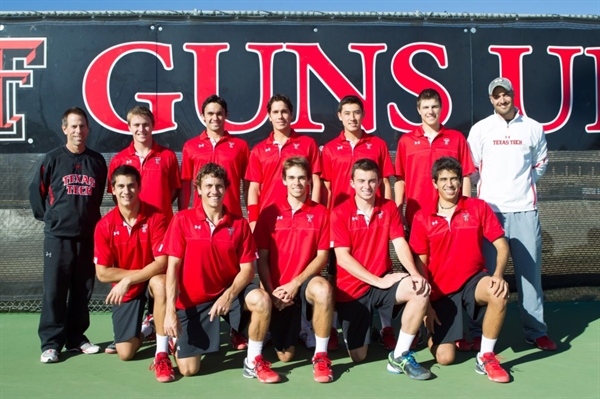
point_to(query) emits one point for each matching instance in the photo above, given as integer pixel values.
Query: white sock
(321, 344)
(487, 345)
(254, 349)
(162, 343)
(403, 344)
(386, 320)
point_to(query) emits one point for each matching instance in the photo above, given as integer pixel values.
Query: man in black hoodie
(66, 193)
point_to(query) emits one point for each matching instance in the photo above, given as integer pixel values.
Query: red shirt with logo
(266, 161)
(130, 248)
(229, 152)
(159, 171)
(291, 237)
(454, 247)
(368, 240)
(210, 260)
(339, 156)
(415, 158)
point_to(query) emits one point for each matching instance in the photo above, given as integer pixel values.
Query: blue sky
(471, 6)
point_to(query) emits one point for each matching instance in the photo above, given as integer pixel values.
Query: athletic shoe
(111, 349)
(172, 345)
(49, 356)
(162, 367)
(334, 340)
(322, 367)
(261, 370)
(87, 347)
(488, 364)
(476, 344)
(462, 344)
(307, 337)
(408, 365)
(544, 343)
(387, 338)
(238, 340)
(148, 328)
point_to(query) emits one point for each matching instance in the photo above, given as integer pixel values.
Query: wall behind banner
(110, 65)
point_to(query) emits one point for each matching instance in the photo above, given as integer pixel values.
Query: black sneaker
(111, 349)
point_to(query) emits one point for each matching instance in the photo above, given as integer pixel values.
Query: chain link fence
(569, 209)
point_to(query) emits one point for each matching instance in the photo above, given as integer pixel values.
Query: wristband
(252, 213)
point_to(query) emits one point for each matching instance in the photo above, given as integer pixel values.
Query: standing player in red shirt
(292, 236)
(417, 151)
(159, 169)
(447, 237)
(338, 156)
(209, 276)
(216, 145)
(268, 156)
(361, 228)
(127, 253)
(158, 165)
(353, 144)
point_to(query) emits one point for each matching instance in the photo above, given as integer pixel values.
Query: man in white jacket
(510, 153)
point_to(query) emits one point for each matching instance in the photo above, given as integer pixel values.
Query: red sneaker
(172, 345)
(322, 367)
(261, 370)
(334, 341)
(488, 364)
(238, 340)
(387, 338)
(148, 328)
(462, 345)
(544, 343)
(163, 368)
(476, 344)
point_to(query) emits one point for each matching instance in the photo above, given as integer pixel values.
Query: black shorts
(356, 317)
(127, 318)
(449, 311)
(199, 335)
(285, 324)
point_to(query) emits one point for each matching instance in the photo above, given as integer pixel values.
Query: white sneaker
(308, 338)
(49, 356)
(88, 348)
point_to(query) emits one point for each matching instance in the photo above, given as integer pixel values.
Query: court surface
(571, 372)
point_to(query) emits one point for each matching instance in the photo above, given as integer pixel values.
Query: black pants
(68, 284)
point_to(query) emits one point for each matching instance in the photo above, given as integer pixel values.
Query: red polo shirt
(454, 248)
(292, 238)
(230, 152)
(116, 246)
(159, 171)
(368, 243)
(339, 156)
(266, 161)
(211, 261)
(415, 158)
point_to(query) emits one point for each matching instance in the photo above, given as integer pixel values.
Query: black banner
(107, 66)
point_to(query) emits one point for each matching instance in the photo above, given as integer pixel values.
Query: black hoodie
(67, 190)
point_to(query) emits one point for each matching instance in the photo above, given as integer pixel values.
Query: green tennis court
(571, 372)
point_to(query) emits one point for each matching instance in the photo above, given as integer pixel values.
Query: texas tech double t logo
(19, 57)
